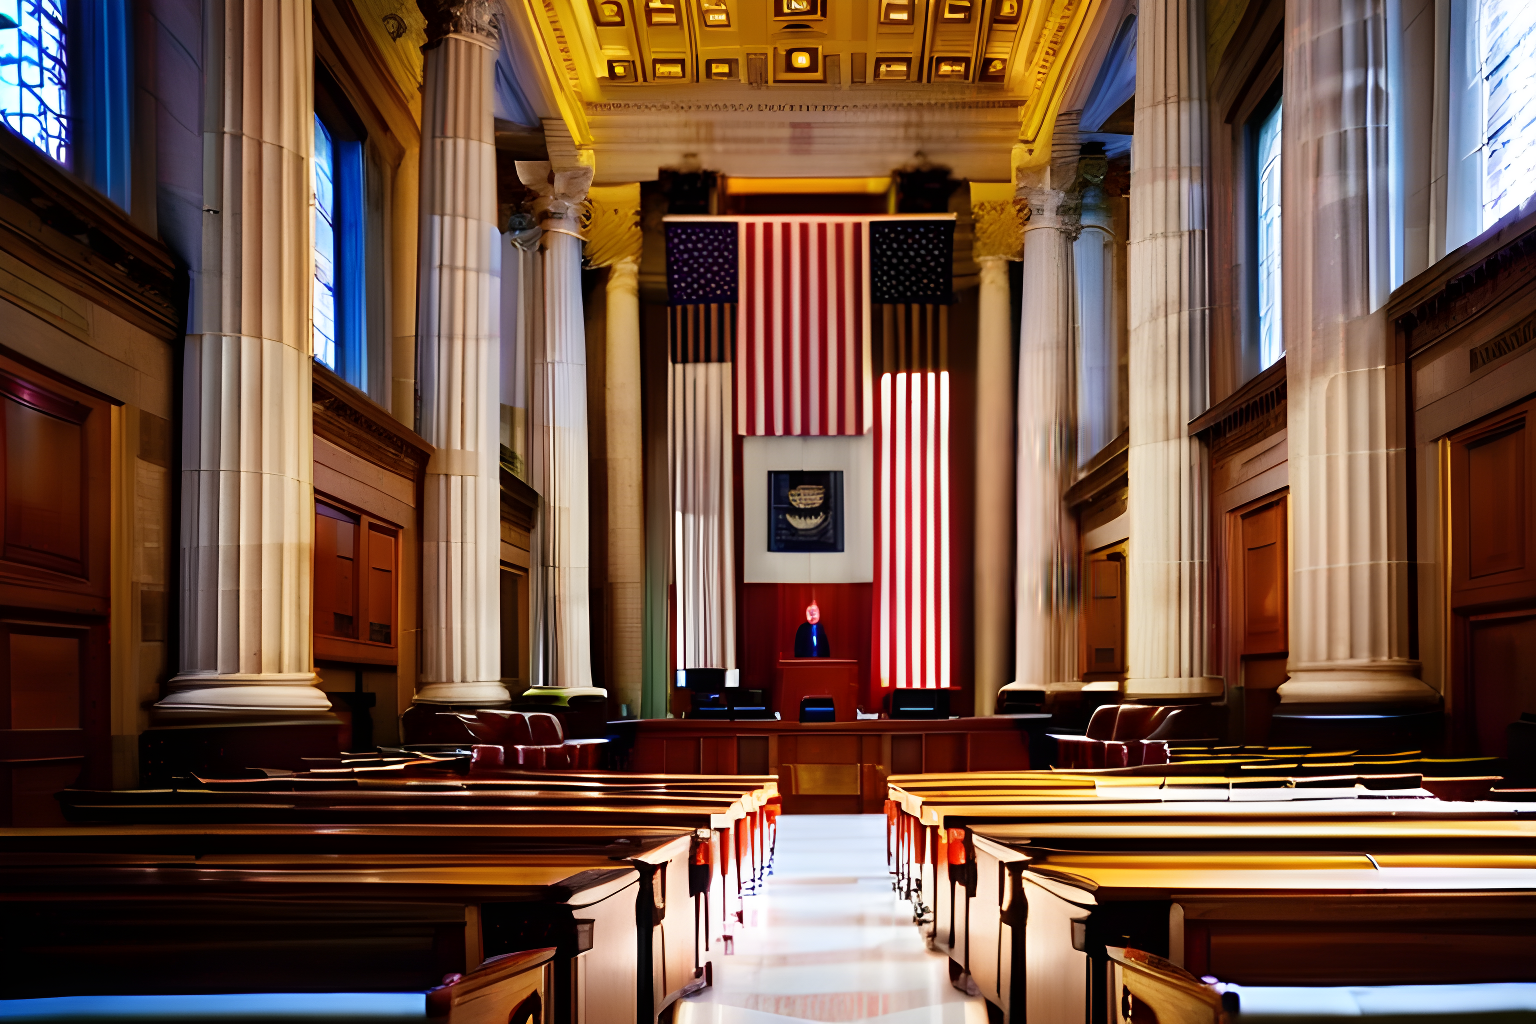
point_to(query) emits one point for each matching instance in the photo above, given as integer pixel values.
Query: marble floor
(829, 941)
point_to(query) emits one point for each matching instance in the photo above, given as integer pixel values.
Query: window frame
(354, 273)
(1272, 103)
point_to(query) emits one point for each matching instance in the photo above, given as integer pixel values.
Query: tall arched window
(325, 246)
(1506, 37)
(1267, 196)
(34, 79)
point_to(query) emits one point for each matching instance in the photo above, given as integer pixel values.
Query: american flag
(702, 333)
(912, 525)
(803, 326)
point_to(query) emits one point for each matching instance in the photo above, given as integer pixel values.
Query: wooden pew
(511, 989)
(741, 813)
(729, 819)
(151, 911)
(933, 820)
(1251, 918)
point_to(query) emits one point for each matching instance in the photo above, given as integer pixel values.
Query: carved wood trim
(1249, 414)
(63, 228)
(1107, 469)
(1465, 284)
(352, 421)
(519, 502)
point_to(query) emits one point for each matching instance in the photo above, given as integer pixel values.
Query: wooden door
(1259, 608)
(1493, 578)
(55, 680)
(1103, 613)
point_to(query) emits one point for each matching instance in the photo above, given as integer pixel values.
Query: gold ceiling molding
(555, 52)
(679, 107)
(744, 186)
(997, 221)
(612, 224)
(398, 31)
(579, 57)
(1061, 36)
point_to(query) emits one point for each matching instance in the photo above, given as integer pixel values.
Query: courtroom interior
(764, 511)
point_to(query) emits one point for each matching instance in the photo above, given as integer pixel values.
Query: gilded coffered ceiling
(805, 87)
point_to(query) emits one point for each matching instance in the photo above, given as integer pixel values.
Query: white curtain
(703, 514)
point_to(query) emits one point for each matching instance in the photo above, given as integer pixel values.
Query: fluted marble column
(247, 449)
(459, 356)
(998, 239)
(558, 445)
(626, 512)
(1093, 274)
(1167, 505)
(1043, 640)
(1345, 419)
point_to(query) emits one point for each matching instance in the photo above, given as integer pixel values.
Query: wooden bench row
(1039, 885)
(413, 884)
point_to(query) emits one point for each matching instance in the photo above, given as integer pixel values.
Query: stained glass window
(34, 97)
(1507, 38)
(325, 248)
(1271, 342)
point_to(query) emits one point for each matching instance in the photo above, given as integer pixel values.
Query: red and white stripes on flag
(803, 326)
(912, 524)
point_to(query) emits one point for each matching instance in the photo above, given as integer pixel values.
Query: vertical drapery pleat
(703, 513)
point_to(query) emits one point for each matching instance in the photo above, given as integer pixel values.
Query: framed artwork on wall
(805, 511)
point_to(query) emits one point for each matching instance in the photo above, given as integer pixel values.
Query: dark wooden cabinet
(357, 596)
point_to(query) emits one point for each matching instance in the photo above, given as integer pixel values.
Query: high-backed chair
(550, 737)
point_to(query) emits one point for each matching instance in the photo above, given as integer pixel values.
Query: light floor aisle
(830, 941)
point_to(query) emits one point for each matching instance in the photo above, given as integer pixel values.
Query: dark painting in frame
(805, 511)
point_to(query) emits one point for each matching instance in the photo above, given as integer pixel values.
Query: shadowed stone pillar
(1168, 510)
(247, 448)
(1044, 640)
(558, 446)
(459, 353)
(1345, 416)
(998, 239)
(614, 241)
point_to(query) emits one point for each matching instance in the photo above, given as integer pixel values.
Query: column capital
(475, 19)
(1047, 208)
(997, 218)
(561, 193)
(613, 225)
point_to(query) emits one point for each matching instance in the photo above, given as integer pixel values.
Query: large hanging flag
(804, 290)
(803, 326)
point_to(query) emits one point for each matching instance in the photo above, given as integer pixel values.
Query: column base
(1360, 683)
(480, 694)
(1188, 688)
(561, 695)
(242, 697)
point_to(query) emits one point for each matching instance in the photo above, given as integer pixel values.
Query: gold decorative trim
(612, 224)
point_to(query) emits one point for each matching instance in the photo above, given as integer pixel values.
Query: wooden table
(833, 767)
